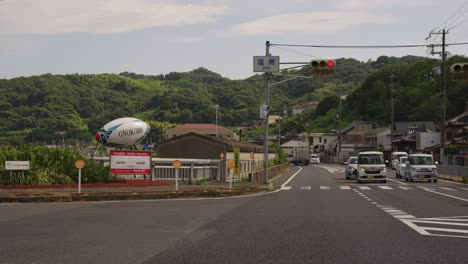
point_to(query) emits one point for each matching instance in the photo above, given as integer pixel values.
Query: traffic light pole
(265, 122)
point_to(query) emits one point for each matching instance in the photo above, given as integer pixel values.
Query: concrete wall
(452, 170)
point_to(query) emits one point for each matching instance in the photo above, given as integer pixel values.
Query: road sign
(230, 164)
(266, 63)
(79, 164)
(17, 165)
(176, 164)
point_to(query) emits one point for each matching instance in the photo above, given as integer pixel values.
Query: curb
(129, 196)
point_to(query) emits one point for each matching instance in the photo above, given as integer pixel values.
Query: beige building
(202, 129)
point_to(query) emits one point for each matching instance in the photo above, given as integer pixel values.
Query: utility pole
(443, 89)
(216, 108)
(265, 122)
(392, 76)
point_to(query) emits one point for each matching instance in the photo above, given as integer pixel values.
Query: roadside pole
(176, 164)
(79, 164)
(265, 122)
(230, 166)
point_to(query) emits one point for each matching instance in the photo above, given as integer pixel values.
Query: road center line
(292, 177)
(451, 196)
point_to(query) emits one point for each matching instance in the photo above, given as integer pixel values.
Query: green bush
(49, 166)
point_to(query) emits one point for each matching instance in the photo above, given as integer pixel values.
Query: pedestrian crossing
(456, 226)
(375, 187)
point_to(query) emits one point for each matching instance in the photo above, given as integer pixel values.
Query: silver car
(351, 167)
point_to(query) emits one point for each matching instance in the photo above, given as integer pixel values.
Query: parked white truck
(421, 167)
(371, 167)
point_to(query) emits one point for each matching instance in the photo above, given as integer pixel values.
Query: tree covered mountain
(50, 107)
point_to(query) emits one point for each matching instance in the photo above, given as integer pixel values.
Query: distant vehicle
(123, 132)
(300, 156)
(400, 167)
(421, 167)
(314, 158)
(371, 167)
(351, 167)
(395, 157)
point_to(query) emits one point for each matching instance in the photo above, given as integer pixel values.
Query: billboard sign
(130, 162)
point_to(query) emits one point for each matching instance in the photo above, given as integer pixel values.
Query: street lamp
(217, 109)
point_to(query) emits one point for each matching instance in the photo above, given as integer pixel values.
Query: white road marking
(447, 188)
(440, 223)
(292, 177)
(405, 216)
(324, 187)
(451, 196)
(374, 203)
(306, 187)
(397, 181)
(405, 188)
(364, 188)
(345, 187)
(466, 189)
(286, 188)
(415, 227)
(385, 188)
(447, 230)
(394, 211)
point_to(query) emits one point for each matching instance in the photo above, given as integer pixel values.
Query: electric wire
(297, 52)
(369, 46)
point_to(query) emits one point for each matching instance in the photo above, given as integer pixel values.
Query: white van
(395, 158)
(371, 167)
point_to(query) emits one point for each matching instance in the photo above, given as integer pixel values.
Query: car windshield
(353, 161)
(313, 156)
(370, 159)
(403, 160)
(397, 157)
(421, 160)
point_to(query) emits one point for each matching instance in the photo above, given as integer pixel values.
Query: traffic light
(323, 67)
(459, 71)
(264, 111)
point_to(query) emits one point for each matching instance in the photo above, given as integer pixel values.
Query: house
(414, 137)
(354, 139)
(457, 135)
(202, 129)
(320, 142)
(299, 108)
(291, 145)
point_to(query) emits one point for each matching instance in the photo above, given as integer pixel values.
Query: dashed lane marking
(306, 187)
(345, 187)
(324, 187)
(286, 188)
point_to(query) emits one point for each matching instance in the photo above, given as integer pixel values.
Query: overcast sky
(161, 36)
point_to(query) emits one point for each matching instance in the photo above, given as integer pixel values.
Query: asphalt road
(317, 217)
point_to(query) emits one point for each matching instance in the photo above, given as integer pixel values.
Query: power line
(300, 53)
(368, 47)
(455, 14)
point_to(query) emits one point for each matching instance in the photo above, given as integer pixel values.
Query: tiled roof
(460, 140)
(199, 126)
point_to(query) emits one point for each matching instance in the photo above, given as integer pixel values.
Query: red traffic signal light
(323, 67)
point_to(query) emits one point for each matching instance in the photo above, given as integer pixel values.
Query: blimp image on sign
(123, 132)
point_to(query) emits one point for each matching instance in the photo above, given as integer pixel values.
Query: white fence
(194, 169)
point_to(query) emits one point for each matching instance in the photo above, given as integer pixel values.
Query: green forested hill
(75, 106)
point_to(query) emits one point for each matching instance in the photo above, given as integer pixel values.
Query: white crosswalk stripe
(382, 187)
(385, 188)
(364, 187)
(406, 188)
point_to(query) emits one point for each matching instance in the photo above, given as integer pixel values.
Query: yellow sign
(79, 164)
(252, 156)
(221, 155)
(230, 164)
(176, 164)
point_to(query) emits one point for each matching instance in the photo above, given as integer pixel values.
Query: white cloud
(316, 22)
(101, 16)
